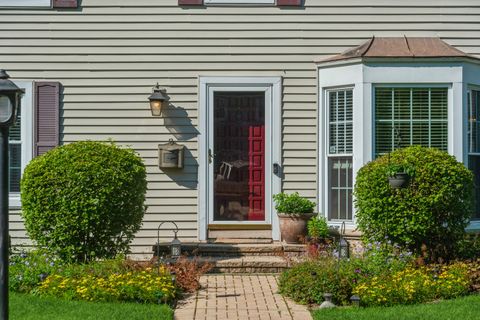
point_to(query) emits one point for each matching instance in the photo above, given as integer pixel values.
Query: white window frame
(273, 136)
(26, 126)
(408, 86)
(474, 224)
(238, 2)
(25, 3)
(329, 155)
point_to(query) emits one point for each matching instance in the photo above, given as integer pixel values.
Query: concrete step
(234, 249)
(247, 264)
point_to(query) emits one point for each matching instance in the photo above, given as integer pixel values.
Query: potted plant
(293, 211)
(399, 175)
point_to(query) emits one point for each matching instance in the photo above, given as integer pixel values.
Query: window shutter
(61, 4)
(293, 3)
(46, 119)
(190, 2)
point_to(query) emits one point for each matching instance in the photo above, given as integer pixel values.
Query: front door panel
(238, 156)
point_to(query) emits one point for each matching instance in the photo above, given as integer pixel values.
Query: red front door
(239, 156)
(256, 169)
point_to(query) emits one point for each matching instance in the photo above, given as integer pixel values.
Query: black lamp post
(10, 96)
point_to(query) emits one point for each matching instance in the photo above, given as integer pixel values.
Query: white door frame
(273, 135)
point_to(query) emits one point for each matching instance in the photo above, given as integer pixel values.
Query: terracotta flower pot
(293, 227)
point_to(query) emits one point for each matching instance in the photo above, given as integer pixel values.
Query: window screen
(340, 145)
(410, 116)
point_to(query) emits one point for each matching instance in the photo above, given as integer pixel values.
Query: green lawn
(467, 308)
(27, 307)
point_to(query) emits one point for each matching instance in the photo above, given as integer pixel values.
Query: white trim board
(25, 3)
(26, 127)
(272, 87)
(239, 2)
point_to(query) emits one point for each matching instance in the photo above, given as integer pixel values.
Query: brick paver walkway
(242, 297)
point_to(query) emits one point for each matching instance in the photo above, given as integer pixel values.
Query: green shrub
(146, 286)
(432, 211)
(84, 200)
(293, 204)
(317, 228)
(308, 281)
(414, 285)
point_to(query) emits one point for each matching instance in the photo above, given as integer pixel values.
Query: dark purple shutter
(46, 118)
(190, 2)
(289, 3)
(65, 4)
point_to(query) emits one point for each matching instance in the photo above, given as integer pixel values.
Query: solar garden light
(10, 96)
(355, 300)
(158, 100)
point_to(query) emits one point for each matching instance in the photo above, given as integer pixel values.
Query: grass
(28, 307)
(466, 308)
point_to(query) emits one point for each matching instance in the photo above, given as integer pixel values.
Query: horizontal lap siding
(108, 57)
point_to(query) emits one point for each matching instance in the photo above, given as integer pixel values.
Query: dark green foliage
(469, 247)
(432, 212)
(84, 200)
(317, 228)
(307, 282)
(293, 204)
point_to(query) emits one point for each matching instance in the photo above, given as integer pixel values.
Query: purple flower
(358, 271)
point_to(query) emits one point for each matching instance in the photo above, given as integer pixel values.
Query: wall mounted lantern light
(10, 96)
(158, 100)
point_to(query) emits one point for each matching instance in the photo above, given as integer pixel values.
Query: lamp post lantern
(10, 96)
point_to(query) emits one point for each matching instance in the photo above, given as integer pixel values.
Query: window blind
(410, 116)
(15, 154)
(340, 121)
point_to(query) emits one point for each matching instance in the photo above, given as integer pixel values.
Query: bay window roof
(400, 47)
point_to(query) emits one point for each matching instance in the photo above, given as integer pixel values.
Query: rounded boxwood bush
(84, 200)
(430, 214)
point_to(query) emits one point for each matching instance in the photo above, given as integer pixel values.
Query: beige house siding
(109, 54)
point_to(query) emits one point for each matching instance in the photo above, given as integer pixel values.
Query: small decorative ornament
(328, 301)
